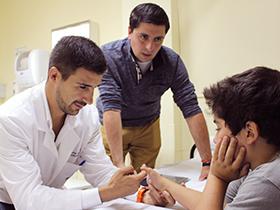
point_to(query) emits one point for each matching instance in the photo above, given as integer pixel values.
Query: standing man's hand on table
(199, 132)
(204, 173)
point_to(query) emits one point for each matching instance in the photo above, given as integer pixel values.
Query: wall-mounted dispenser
(31, 68)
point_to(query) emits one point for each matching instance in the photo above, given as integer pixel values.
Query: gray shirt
(260, 190)
(139, 100)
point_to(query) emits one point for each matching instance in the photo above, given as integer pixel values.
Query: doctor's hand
(228, 160)
(124, 182)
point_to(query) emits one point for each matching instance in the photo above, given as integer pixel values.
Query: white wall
(223, 37)
(28, 23)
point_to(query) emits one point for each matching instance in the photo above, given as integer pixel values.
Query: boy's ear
(252, 132)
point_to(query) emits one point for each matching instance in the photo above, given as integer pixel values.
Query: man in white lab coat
(47, 133)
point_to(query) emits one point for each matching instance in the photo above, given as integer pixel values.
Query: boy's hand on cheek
(228, 160)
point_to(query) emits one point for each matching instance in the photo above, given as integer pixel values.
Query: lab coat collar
(40, 104)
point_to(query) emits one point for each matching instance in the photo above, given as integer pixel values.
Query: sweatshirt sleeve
(183, 91)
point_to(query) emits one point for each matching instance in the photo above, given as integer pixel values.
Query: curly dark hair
(72, 52)
(253, 95)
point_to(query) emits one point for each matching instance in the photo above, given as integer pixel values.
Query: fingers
(155, 194)
(240, 158)
(223, 148)
(168, 198)
(127, 170)
(148, 169)
(145, 168)
(216, 151)
(159, 198)
(231, 150)
(227, 148)
(148, 198)
(141, 175)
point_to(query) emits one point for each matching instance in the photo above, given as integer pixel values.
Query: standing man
(48, 132)
(139, 71)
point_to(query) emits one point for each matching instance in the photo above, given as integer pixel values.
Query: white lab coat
(34, 167)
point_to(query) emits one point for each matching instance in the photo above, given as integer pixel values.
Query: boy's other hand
(228, 160)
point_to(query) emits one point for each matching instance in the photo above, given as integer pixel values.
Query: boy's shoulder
(266, 173)
(260, 189)
(271, 171)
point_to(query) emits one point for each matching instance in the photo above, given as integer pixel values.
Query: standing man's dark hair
(148, 13)
(73, 52)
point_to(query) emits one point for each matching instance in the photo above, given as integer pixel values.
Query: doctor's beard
(71, 109)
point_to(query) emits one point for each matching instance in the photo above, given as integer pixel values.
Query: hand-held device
(177, 179)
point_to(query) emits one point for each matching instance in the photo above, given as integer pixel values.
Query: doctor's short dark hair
(253, 95)
(148, 13)
(72, 52)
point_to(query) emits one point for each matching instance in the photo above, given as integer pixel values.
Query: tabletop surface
(188, 168)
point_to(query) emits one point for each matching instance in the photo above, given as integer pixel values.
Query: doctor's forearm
(113, 129)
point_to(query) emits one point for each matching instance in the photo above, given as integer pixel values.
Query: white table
(188, 168)
(123, 204)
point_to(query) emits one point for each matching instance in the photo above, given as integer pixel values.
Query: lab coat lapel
(43, 120)
(67, 140)
(48, 142)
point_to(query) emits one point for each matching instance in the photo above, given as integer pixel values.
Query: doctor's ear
(53, 73)
(252, 132)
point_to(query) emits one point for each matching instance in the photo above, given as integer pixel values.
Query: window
(77, 29)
